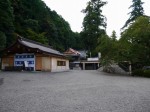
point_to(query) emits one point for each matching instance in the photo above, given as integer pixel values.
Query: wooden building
(33, 56)
(74, 55)
(79, 61)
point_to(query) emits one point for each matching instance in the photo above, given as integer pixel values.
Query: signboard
(93, 59)
(26, 59)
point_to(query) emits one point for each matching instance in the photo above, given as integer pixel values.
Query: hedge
(140, 72)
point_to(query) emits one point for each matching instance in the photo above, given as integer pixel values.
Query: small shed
(29, 55)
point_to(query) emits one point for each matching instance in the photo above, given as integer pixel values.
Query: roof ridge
(75, 51)
(35, 42)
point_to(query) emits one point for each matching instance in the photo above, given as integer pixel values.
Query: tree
(36, 37)
(2, 40)
(138, 38)
(77, 42)
(6, 21)
(108, 47)
(33, 17)
(93, 24)
(137, 11)
(32, 24)
(114, 36)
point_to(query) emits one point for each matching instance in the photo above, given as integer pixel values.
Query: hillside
(34, 20)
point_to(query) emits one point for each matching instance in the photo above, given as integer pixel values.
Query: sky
(116, 12)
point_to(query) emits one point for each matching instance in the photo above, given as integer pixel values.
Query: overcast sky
(115, 11)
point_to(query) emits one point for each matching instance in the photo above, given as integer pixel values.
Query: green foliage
(133, 46)
(32, 24)
(2, 40)
(34, 20)
(147, 73)
(104, 45)
(6, 21)
(93, 24)
(106, 62)
(114, 36)
(137, 40)
(108, 48)
(140, 72)
(137, 11)
(124, 50)
(30, 34)
(109, 51)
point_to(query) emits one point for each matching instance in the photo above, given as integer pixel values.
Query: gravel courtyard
(73, 91)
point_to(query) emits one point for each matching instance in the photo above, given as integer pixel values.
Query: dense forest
(32, 19)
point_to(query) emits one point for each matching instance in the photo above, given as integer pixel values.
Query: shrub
(140, 72)
(146, 73)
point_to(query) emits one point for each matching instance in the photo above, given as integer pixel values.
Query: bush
(146, 73)
(140, 72)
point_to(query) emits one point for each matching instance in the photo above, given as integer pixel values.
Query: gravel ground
(73, 91)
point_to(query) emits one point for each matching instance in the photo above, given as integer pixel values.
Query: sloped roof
(33, 44)
(71, 51)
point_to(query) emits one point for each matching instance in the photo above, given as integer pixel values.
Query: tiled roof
(72, 52)
(41, 47)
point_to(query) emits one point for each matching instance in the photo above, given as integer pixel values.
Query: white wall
(55, 68)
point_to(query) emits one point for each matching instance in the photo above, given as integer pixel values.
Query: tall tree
(6, 20)
(108, 47)
(138, 36)
(114, 36)
(94, 23)
(137, 11)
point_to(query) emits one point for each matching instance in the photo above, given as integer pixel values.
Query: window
(61, 63)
